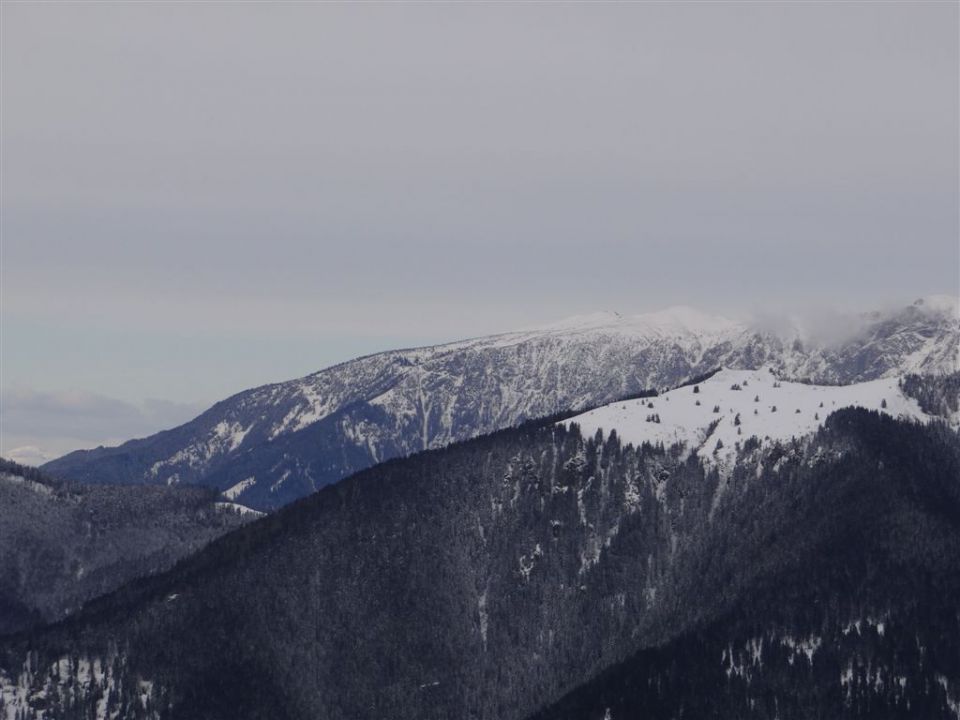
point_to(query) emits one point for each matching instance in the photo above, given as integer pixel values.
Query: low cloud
(28, 455)
(39, 426)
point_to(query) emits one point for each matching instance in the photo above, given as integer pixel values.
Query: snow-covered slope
(716, 416)
(286, 440)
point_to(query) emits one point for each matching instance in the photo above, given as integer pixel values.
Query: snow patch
(527, 562)
(237, 507)
(233, 492)
(28, 695)
(31, 485)
(713, 417)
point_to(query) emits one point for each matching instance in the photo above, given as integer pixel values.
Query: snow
(233, 492)
(860, 623)
(65, 678)
(36, 487)
(224, 437)
(482, 613)
(242, 509)
(800, 410)
(953, 704)
(846, 677)
(230, 434)
(806, 646)
(283, 478)
(674, 321)
(429, 397)
(527, 562)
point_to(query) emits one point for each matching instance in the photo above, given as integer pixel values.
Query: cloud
(28, 455)
(40, 425)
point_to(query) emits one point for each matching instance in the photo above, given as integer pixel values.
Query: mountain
(854, 616)
(714, 416)
(62, 544)
(496, 576)
(274, 444)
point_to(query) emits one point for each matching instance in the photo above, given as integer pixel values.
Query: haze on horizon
(199, 198)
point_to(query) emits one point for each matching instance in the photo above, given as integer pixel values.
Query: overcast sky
(203, 197)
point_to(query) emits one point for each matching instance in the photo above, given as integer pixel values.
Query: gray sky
(203, 197)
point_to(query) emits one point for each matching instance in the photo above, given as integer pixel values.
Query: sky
(198, 198)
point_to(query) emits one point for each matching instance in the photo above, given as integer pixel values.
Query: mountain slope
(714, 416)
(487, 579)
(855, 616)
(62, 544)
(280, 442)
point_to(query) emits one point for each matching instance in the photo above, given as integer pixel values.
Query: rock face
(271, 445)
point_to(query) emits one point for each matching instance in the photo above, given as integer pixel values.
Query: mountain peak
(583, 321)
(401, 402)
(674, 320)
(689, 319)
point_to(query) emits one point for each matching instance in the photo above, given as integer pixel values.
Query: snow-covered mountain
(273, 444)
(715, 417)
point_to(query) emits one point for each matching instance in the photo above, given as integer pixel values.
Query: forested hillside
(488, 579)
(62, 544)
(850, 607)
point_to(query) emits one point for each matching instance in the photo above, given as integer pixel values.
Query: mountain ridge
(360, 412)
(427, 587)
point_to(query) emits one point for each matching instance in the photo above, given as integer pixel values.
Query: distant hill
(274, 444)
(62, 544)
